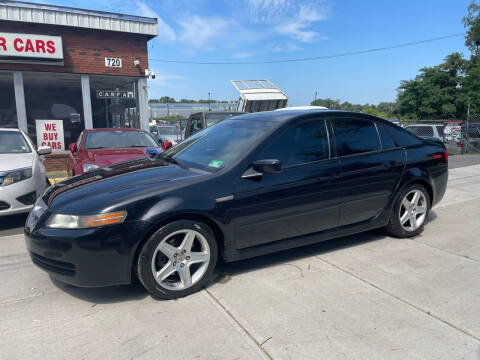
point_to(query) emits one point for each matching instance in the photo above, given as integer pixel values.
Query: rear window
(402, 137)
(420, 130)
(355, 136)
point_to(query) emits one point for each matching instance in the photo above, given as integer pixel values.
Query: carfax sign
(114, 94)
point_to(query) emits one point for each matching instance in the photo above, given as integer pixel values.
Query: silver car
(22, 173)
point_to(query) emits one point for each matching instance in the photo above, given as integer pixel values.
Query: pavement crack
(231, 316)
(428, 313)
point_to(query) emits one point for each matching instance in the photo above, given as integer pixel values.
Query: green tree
(472, 23)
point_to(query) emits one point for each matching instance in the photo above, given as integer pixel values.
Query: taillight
(445, 154)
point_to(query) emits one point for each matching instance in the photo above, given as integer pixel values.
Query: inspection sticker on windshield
(215, 163)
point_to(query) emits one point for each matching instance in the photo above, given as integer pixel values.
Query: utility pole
(466, 130)
(209, 108)
(314, 102)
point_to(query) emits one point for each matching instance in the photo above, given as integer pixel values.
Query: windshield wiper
(172, 160)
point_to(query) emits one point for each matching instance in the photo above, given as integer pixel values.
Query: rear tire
(177, 260)
(409, 212)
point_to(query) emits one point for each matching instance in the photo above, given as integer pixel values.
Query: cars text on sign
(31, 46)
(50, 133)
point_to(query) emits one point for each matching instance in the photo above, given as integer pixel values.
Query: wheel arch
(217, 231)
(425, 183)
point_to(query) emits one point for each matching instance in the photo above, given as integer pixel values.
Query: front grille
(59, 267)
(28, 199)
(4, 205)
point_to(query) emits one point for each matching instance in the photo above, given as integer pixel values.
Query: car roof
(112, 129)
(218, 112)
(286, 116)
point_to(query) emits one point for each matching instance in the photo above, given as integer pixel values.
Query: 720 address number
(113, 62)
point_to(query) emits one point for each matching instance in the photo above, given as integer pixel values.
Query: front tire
(409, 212)
(178, 259)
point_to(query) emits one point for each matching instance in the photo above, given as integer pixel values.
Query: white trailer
(259, 95)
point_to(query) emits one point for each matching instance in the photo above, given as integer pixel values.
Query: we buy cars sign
(50, 133)
(31, 46)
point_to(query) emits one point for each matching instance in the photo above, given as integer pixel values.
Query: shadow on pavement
(104, 295)
(225, 271)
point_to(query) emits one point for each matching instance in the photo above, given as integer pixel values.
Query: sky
(259, 30)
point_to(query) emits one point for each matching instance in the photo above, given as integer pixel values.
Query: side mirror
(267, 166)
(166, 145)
(44, 150)
(73, 148)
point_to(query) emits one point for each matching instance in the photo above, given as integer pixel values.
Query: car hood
(15, 161)
(106, 157)
(105, 188)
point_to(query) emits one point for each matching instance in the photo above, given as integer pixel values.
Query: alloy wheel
(180, 259)
(413, 210)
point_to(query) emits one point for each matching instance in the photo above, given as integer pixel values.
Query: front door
(301, 199)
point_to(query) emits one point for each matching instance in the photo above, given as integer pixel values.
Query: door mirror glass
(44, 150)
(73, 148)
(267, 166)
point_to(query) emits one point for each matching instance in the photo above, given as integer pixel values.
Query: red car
(96, 148)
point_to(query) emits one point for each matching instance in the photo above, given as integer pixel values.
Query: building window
(52, 96)
(8, 110)
(114, 102)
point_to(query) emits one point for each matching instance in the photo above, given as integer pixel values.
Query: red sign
(31, 46)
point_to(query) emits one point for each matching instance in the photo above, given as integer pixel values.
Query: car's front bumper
(84, 257)
(11, 195)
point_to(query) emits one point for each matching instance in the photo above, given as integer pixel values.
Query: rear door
(301, 199)
(371, 166)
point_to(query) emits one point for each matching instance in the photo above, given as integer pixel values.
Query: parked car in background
(163, 133)
(234, 191)
(427, 130)
(22, 174)
(201, 120)
(96, 148)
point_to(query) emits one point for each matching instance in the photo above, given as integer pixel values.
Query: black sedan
(247, 186)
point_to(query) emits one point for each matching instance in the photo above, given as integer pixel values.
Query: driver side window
(299, 144)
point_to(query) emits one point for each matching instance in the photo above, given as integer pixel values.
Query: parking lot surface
(367, 296)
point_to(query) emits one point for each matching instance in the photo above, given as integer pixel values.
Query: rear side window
(355, 136)
(401, 136)
(387, 142)
(299, 144)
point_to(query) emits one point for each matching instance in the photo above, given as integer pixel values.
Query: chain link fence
(459, 135)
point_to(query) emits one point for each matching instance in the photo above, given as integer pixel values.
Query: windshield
(13, 142)
(167, 130)
(213, 118)
(119, 139)
(219, 146)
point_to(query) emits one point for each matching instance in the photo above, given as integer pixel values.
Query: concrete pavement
(367, 296)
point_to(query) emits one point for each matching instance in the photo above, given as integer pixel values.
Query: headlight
(89, 167)
(35, 214)
(61, 221)
(14, 176)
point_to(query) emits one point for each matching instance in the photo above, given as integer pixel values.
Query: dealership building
(84, 69)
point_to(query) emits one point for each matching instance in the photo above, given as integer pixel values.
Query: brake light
(439, 156)
(445, 154)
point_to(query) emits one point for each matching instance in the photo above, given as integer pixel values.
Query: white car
(22, 173)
